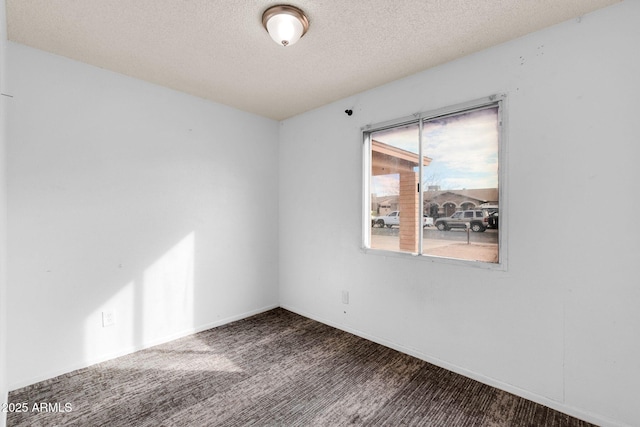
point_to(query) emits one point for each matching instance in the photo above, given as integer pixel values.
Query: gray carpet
(274, 369)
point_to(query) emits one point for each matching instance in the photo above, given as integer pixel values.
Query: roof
(482, 195)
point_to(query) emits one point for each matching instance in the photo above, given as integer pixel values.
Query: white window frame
(497, 99)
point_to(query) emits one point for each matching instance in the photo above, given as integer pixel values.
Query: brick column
(409, 207)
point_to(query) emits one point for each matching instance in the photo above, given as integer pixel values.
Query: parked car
(478, 220)
(393, 218)
(492, 214)
(493, 219)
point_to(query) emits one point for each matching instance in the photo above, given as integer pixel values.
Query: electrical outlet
(108, 318)
(345, 297)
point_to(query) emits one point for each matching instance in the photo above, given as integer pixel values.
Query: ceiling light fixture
(285, 24)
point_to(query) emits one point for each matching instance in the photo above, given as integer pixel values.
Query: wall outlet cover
(108, 319)
(345, 297)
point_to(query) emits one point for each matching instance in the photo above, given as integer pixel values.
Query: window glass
(462, 176)
(442, 174)
(394, 180)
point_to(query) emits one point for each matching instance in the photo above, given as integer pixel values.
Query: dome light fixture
(285, 24)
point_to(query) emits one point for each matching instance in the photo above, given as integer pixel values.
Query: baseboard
(558, 406)
(133, 349)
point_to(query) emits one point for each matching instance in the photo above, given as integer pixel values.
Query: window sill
(500, 266)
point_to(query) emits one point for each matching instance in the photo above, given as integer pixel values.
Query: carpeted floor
(273, 369)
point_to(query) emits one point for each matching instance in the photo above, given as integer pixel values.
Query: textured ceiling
(218, 49)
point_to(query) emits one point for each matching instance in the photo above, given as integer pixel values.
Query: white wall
(3, 218)
(132, 198)
(560, 326)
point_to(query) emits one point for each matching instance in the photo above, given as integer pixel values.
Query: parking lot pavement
(486, 252)
(473, 252)
(392, 243)
(456, 234)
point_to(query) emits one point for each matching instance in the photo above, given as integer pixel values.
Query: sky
(463, 149)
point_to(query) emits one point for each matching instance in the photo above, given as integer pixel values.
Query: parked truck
(393, 218)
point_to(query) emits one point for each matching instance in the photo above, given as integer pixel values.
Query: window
(432, 183)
